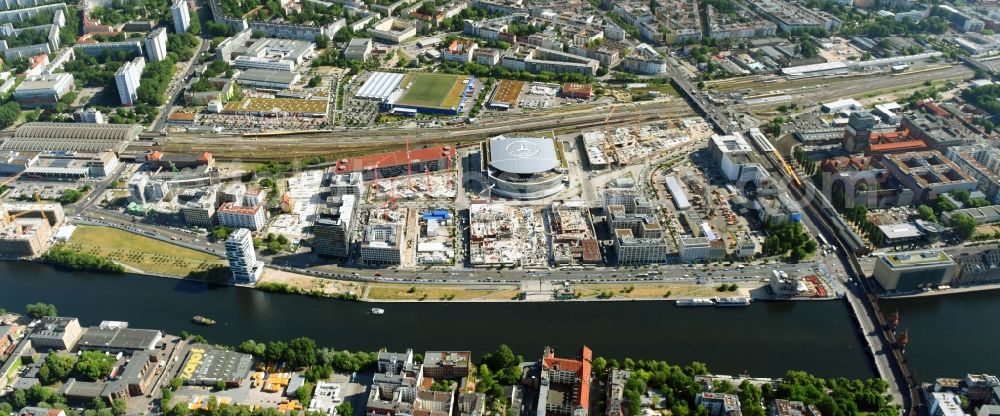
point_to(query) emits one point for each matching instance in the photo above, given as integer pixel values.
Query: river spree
(765, 339)
(951, 335)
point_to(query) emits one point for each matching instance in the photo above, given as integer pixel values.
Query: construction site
(299, 205)
(628, 145)
(429, 186)
(436, 240)
(27, 230)
(573, 236)
(702, 209)
(506, 236)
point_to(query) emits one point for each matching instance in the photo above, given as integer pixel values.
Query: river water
(765, 339)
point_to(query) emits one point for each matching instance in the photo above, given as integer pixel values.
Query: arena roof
(380, 85)
(523, 155)
(87, 137)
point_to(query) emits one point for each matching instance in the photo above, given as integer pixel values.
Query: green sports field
(442, 91)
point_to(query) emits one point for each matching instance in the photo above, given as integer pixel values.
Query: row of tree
(484, 71)
(858, 214)
(69, 259)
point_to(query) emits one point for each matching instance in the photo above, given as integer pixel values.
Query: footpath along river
(765, 339)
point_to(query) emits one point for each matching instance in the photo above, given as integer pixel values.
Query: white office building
(127, 79)
(242, 259)
(89, 115)
(156, 45)
(182, 17)
(382, 245)
(137, 188)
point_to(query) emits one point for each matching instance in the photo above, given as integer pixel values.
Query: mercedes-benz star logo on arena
(523, 149)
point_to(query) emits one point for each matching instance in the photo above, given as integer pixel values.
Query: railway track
(826, 91)
(293, 146)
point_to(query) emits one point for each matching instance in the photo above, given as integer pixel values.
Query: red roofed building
(286, 203)
(37, 64)
(94, 26)
(574, 90)
(157, 160)
(846, 164)
(897, 141)
(460, 50)
(395, 163)
(897, 147)
(237, 216)
(932, 107)
(564, 388)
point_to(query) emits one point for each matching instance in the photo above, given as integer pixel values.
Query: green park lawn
(144, 253)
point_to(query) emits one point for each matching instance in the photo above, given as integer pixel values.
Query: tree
(635, 387)
(39, 310)
(56, 368)
(18, 398)
(94, 365)
(253, 347)
(274, 246)
(600, 366)
(315, 81)
(944, 205)
(602, 71)
(301, 352)
(38, 394)
(118, 407)
(9, 113)
(304, 393)
(502, 358)
(926, 213)
(345, 409)
(275, 351)
(322, 41)
(964, 225)
(318, 372)
(219, 385)
(750, 399)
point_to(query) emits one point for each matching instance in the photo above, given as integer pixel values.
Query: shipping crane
(609, 149)
(409, 166)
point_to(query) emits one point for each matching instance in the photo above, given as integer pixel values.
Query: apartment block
(156, 45)
(128, 78)
(233, 215)
(181, 15)
(982, 163)
(242, 259)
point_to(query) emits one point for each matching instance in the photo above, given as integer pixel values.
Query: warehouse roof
(84, 137)
(115, 339)
(79, 131)
(265, 75)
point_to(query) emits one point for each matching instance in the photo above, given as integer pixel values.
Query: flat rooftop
(205, 364)
(119, 338)
(917, 258)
